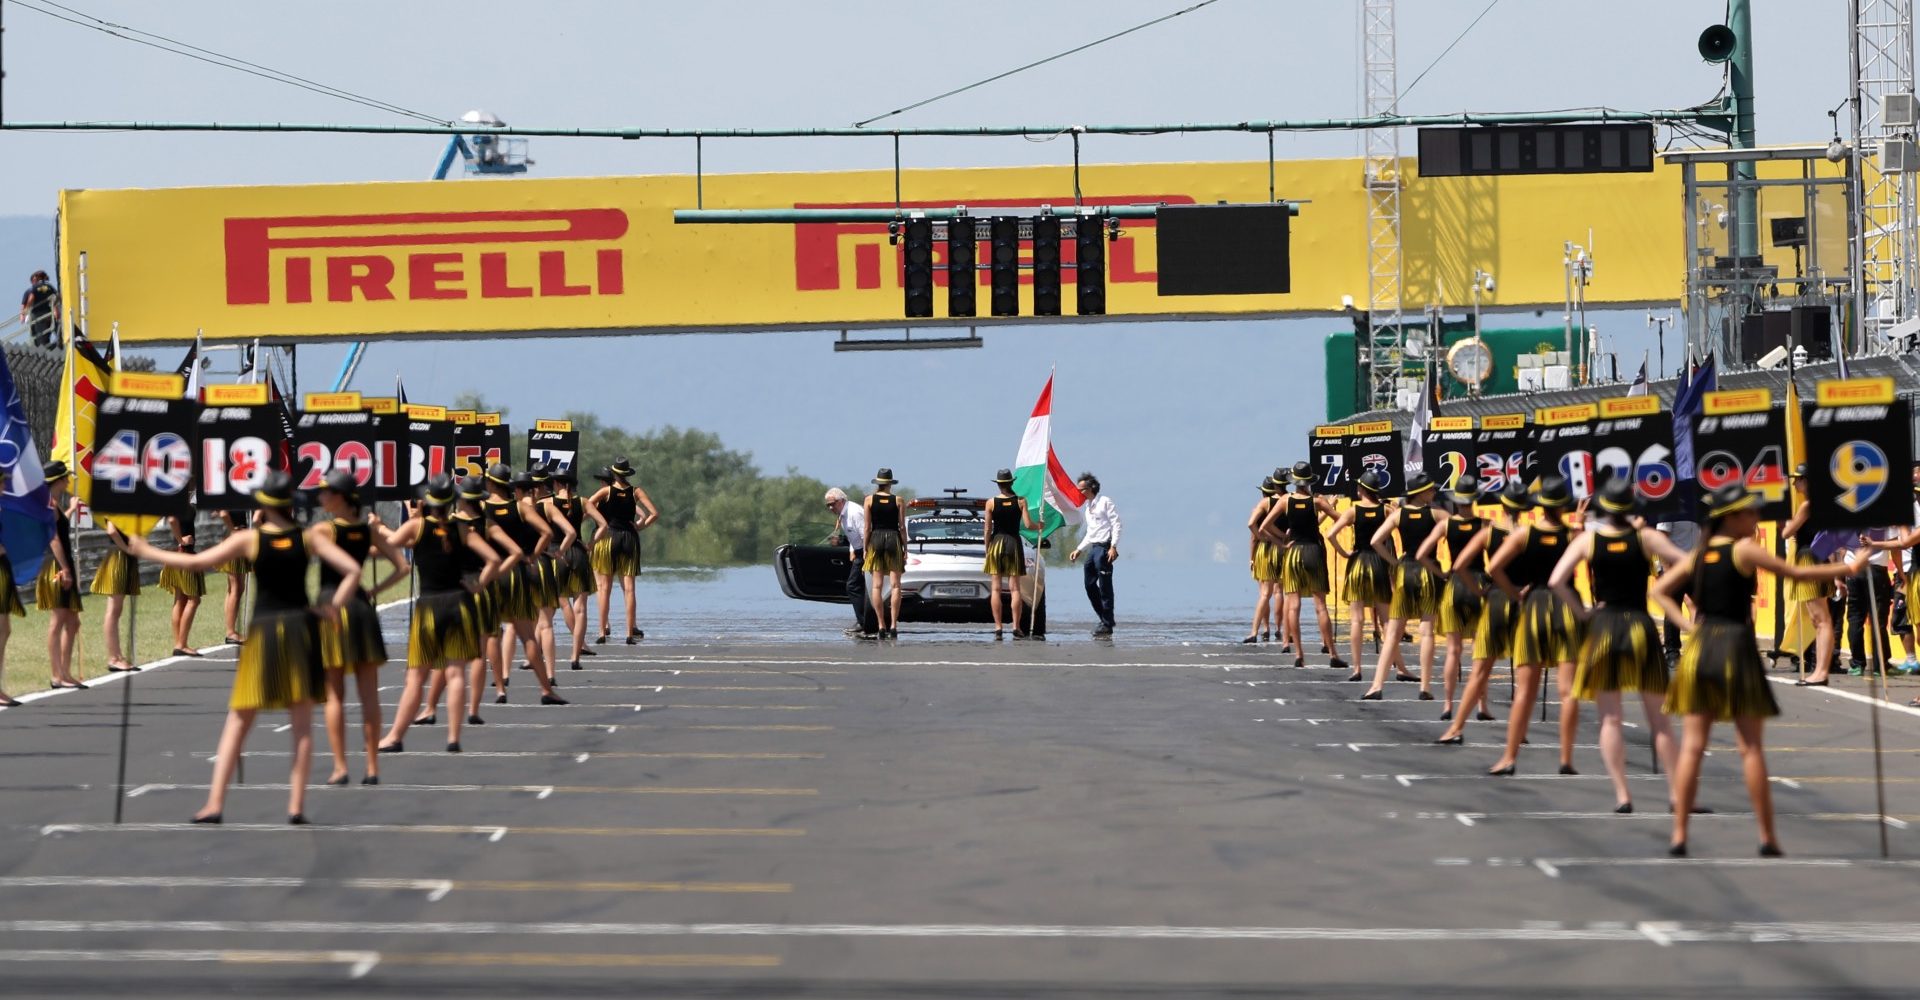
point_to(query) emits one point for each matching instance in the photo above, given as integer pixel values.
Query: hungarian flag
(1040, 479)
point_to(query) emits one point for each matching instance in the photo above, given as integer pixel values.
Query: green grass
(26, 652)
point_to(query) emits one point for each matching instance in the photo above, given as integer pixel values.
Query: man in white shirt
(852, 529)
(1101, 543)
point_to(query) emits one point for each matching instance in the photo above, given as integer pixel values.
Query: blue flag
(1689, 401)
(26, 522)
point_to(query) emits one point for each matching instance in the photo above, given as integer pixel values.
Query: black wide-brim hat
(1730, 499)
(885, 476)
(605, 475)
(438, 492)
(1003, 476)
(342, 482)
(1420, 483)
(55, 471)
(1618, 496)
(277, 491)
(472, 488)
(1552, 492)
(1466, 489)
(1372, 481)
(1302, 473)
(621, 467)
(500, 473)
(1268, 486)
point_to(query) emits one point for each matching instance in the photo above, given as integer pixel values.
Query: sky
(1179, 420)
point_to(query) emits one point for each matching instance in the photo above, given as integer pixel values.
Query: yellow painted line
(1844, 780)
(656, 831)
(755, 708)
(571, 959)
(733, 673)
(693, 755)
(761, 729)
(244, 957)
(743, 687)
(681, 887)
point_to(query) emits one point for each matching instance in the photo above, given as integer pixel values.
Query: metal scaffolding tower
(1883, 125)
(1379, 82)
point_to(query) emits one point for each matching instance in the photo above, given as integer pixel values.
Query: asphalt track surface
(942, 817)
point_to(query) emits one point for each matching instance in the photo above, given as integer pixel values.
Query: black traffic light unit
(1090, 266)
(1004, 233)
(919, 271)
(962, 282)
(1046, 265)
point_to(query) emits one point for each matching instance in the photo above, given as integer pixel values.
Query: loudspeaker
(1717, 44)
(1812, 328)
(1762, 332)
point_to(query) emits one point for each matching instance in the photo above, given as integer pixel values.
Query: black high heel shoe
(604, 636)
(454, 747)
(1771, 850)
(1299, 661)
(1451, 741)
(298, 819)
(1336, 663)
(584, 651)
(1485, 717)
(1428, 696)
(501, 699)
(474, 720)
(211, 819)
(552, 699)
(575, 665)
(1623, 808)
(338, 782)
(427, 720)
(1568, 769)
(395, 747)
(1502, 772)
(1446, 716)
(1356, 676)
(371, 779)
(1250, 640)
(1374, 696)
(1677, 850)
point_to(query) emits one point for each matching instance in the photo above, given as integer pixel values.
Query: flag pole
(1875, 643)
(1040, 536)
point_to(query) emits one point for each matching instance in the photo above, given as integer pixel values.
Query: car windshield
(945, 526)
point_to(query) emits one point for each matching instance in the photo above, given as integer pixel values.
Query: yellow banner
(464, 418)
(553, 425)
(421, 411)
(332, 402)
(1322, 431)
(148, 385)
(1451, 424)
(1554, 416)
(603, 254)
(1630, 406)
(1714, 404)
(487, 419)
(1371, 427)
(1503, 422)
(246, 394)
(381, 404)
(1856, 392)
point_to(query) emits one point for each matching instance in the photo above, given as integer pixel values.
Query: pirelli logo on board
(415, 256)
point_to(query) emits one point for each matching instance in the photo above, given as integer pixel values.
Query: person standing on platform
(1101, 544)
(39, 309)
(851, 530)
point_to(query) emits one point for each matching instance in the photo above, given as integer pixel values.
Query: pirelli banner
(603, 255)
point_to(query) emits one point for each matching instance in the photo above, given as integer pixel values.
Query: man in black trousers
(852, 532)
